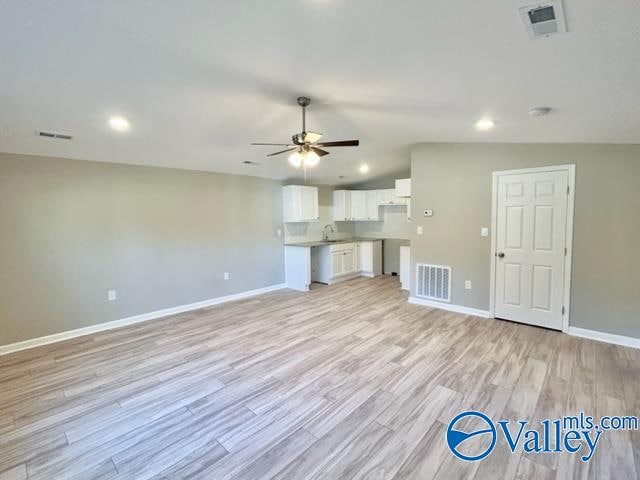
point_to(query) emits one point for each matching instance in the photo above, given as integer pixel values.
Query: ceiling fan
(307, 149)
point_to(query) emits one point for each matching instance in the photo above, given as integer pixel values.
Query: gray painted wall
(455, 181)
(72, 230)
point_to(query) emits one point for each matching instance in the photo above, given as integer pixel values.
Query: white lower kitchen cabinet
(333, 263)
(370, 258)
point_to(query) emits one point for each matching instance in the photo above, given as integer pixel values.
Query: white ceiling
(200, 80)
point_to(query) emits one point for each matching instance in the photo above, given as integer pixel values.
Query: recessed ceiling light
(485, 124)
(364, 168)
(119, 124)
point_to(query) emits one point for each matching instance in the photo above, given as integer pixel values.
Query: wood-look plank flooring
(348, 381)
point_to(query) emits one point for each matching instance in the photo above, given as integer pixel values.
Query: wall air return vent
(542, 20)
(433, 282)
(59, 136)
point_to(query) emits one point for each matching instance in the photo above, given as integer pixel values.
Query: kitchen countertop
(320, 243)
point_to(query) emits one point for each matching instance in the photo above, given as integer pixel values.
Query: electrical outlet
(112, 295)
(227, 276)
(484, 232)
(467, 284)
(428, 213)
(419, 230)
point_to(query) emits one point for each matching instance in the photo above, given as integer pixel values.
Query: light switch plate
(419, 230)
(279, 232)
(226, 275)
(112, 295)
(484, 232)
(467, 284)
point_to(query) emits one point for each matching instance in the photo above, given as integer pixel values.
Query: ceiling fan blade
(343, 143)
(282, 151)
(312, 137)
(274, 144)
(319, 151)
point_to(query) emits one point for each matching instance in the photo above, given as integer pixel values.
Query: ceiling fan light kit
(305, 147)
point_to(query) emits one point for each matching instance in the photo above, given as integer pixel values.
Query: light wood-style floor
(348, 381)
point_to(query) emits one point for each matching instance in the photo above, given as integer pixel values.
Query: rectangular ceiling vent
(542, 20)
(59, 136)
(433, 282)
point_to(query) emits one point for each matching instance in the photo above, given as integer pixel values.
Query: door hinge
(562, 310)
(568, 189)
(565, 251)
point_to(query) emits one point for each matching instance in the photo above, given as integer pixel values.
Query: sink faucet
(325, 235)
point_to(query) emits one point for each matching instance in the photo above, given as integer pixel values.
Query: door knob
(500, 255)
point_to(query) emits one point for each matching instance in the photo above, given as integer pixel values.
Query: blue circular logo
(481, 438)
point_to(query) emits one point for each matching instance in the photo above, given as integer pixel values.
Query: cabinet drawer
(341, 247)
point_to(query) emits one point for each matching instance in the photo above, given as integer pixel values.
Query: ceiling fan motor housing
(304, 101)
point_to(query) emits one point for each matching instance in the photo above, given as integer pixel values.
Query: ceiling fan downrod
(304, 102)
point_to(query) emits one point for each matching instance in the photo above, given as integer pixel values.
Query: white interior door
(530, 247)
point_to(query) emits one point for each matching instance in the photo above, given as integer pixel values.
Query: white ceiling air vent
(59, 136)
(544, 19)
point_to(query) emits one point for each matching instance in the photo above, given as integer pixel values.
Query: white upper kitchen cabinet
(388, 197)
(358, 205)
(373, 212)
(403, 187)
(341, 205)
(300, 203)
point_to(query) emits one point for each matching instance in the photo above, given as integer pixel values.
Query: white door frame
(571, 169)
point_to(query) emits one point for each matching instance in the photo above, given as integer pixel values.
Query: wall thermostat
(428, 213)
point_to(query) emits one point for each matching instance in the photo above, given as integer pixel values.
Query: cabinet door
(309, 203)
(366, 255)
(388, 197)
(403, 187)
(348, 261)
(372, 205)
(405, 267)
(336, 264)
(358, 256)
(291, 202)
(341, 209)
(383, 197)
(358, 205)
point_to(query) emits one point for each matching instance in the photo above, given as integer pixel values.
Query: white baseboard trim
(58, 337)
(605, 337)
(449, 307)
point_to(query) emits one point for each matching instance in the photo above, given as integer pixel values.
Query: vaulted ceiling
(200, 80)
